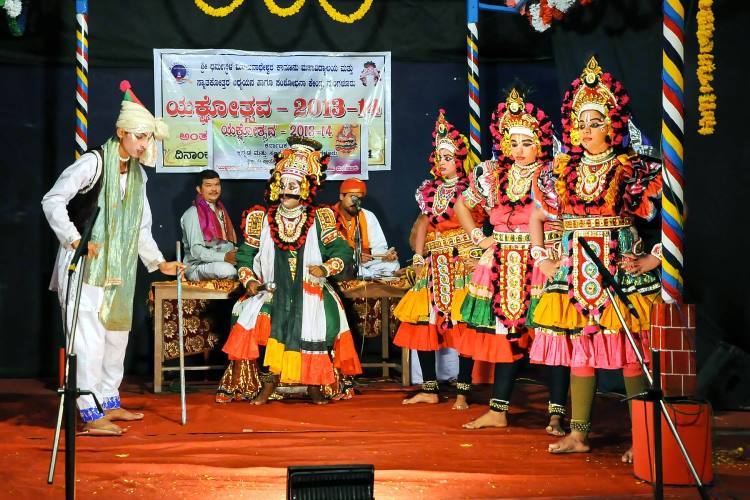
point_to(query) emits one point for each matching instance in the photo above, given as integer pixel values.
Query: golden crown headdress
(445, 136)
(515, 119)
(301, 159)
(593, 94)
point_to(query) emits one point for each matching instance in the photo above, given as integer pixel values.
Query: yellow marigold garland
(220, 11)
(284, 11)
(344, 18)
(706, 67)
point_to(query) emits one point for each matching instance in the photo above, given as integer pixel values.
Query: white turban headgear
(134, 117)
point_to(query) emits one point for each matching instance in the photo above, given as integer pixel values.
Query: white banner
(237, 150)
(194, 87)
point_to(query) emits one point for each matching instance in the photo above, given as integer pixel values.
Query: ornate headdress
(303, 160)
(514, 116)
(598, 91)
(446, 136)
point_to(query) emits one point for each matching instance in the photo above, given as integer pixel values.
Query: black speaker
(724, 378)
(330, 482)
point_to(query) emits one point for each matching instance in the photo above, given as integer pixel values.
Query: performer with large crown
(602, 187)
(296, 330)
(496, 306)
(431, 308)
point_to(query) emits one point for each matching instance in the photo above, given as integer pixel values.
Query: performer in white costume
(112, 178)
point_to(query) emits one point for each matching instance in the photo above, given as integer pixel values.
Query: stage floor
(242, 451)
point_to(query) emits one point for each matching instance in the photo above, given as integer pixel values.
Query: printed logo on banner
(179, 72)
(370, 75)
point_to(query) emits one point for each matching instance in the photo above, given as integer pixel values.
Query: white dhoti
(210, 270)
(100, 352)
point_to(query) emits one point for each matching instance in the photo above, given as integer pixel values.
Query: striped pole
(82, 77)
(472, 59)
(672, 139)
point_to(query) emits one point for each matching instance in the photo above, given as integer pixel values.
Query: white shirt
(54, 204)
(378, 245)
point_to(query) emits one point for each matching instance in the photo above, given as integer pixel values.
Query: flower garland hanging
(284, 11)
(541, 13)
(706, 67)
(218, 11)
(344, 18)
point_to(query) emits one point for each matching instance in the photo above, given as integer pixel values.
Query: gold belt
(448, 239)
(524, 237)
(597, 223)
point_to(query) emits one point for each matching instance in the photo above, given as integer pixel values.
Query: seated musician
(377, 258)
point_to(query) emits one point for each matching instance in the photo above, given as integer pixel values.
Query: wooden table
(384, 290)
(369, 289)
(165, 290)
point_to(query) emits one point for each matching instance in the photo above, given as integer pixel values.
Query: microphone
(357, 201)
(607, 278)
(83, 244)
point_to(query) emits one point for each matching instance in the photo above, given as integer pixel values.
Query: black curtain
(427, 40)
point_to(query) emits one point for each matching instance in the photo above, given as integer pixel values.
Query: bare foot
(490, 419)
(316, 395)
(265, 393)
(575, 442)
(122, 414)
(422, 397)
(102, 427)
(461, 403)
(555, 427)
(627, 457)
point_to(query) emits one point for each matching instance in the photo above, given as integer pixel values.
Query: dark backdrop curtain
(428, 44)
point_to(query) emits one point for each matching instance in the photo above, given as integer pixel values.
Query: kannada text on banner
(239, 150)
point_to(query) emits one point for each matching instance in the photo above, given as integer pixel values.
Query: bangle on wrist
(656, 251)
(417, 260)
(477, 235)
(539, 253)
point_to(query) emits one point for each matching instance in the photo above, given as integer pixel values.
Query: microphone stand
(70, 391)
(357, 244)
(654, 393)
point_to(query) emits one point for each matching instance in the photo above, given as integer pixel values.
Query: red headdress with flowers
(595, 90)
(515, 116)
(446, 136)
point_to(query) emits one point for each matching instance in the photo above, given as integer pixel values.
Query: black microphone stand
(357, 243)
(654, 393)
(70, 392)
